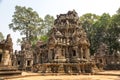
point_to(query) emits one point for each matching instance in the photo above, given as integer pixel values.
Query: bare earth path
(109, 75)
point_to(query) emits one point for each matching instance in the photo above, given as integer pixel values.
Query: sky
(52, 7)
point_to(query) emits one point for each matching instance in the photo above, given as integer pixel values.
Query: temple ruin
(6, 51)
(67, 47)
(100, 56)
(66, 51)
(68, 40)
(23, 59)
(106, 61)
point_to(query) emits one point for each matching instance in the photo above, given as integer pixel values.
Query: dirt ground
(106, 75)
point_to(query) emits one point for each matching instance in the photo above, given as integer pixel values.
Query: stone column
(87, 54)
(50, 55)
(81, 53)
(6, 59)
(67, 53)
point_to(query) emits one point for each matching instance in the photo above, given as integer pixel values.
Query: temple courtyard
(105, 75)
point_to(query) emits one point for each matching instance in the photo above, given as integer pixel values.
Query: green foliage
(100, 29)
(27, 22)
(19, 41)
(44, 38)
(104, 29)
(114, 33)
(1, 36)
(118, 11)
(48, 22)
(87, 21)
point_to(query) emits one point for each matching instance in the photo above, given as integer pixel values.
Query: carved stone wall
(24, 57)
(68, 39)
(6, 48)
(101, 52)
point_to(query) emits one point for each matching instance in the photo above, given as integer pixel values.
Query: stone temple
(6, 50)
(68, 41)
(67, 49)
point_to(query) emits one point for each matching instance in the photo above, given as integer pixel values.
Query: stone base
(9, 71)
(7, 68)
(68, 68)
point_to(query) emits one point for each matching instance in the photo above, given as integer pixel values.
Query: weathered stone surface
(24, 58)
(67, 48)
(6, 48)
(68, 39)
(6, 51)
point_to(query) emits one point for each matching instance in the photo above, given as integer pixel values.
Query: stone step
(9, 73)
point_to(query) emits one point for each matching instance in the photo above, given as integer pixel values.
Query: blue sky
(52, 7)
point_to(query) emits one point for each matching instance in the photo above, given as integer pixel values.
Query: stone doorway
(28, 63)
(74, 53)
(0, 58)
(19, 63)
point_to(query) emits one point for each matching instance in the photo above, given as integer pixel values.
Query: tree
(114, 32)
(101, 27)
(87, 21)
(101, 30)
(27, 22)
(1, 36)
(48, 22)
(118, 11)
(104, 29)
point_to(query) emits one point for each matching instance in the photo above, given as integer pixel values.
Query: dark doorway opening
(18, 62)
(74, 53)
(100, 60)
(0, 57)
(28, 63)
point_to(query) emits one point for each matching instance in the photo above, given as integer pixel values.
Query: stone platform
(9, 71)
(68, 68)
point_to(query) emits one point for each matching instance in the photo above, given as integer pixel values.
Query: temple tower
(68, 41)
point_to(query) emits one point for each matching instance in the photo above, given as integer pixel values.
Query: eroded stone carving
(6, 57)
(68, 35)
(6, 48)
(68, 46)
(100, 55)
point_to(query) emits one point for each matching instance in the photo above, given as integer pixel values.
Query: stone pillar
(50, 55)
(31, 62)
(81, 53)
(87, 54)
(6, 58)
(77, 54)
(67, 53)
